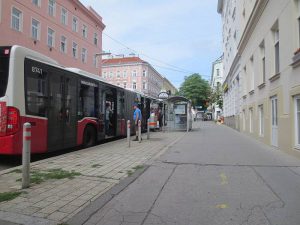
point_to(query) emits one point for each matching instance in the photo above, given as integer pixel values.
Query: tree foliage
(195, 88)
(216, 97)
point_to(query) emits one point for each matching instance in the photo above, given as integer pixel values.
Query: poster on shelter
(179, 109)
(3, 118)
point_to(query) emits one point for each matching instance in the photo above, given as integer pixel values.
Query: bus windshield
(4, 68)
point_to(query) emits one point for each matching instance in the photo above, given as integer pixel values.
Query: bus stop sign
(163, 95)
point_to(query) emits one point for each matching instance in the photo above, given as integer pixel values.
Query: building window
(251, 120)
(83, 55)
(134, 73)
(134, 85)
(261, 120)
(263, 61)
(51, 7)
(63, 44)
(16, 19)
(95, 62)
(64, 16)
(37, 2)
(218, 72)
(104, 74)
(276, 48)
(118, 84)
(111, 74)
(244, 120)
(298, 20)
(74, 49)
(297, 121)
(124, 73)
(144, 73)
(252, 73)
(84, 31)
(233, 14)
(144, 86)
(118, 74)
(124, 85)
(51, 37)
(35, 29)
(75, 24)
(95, 39)
(245, 80)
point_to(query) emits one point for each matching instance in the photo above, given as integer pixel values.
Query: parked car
(207, 116)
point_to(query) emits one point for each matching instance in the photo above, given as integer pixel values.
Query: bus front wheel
(89, 137)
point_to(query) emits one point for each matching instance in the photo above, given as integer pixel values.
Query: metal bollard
(26, 155)
(128, 132)
(148, 129)
(140, 131)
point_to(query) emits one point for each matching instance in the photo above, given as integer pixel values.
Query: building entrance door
(274, 121)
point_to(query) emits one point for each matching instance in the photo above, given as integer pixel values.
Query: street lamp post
(101, 54)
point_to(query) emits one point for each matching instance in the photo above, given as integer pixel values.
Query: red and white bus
(66, 107)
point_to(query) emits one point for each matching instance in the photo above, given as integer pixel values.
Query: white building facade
(268, 59)
(231, 29)
(216, 83)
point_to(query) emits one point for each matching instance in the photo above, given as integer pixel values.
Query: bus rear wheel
(89, 137)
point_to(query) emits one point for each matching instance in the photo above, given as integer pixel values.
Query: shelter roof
(178, 98)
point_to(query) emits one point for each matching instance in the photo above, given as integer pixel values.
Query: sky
(177, 37)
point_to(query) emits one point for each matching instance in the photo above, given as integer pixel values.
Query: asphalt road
(213, 176)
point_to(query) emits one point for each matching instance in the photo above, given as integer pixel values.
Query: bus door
(121, 122)
(62, 110)
(110, 106)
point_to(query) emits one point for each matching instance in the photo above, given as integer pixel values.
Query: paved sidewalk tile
(100, 167)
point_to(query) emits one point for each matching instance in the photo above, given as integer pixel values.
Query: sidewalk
(91, 172)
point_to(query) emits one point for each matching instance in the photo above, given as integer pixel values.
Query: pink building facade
(132, 73)
(64, 30)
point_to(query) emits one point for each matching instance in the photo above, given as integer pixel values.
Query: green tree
(196, 89)
(217, 96)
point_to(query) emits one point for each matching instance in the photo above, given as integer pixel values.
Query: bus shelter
(178, 113)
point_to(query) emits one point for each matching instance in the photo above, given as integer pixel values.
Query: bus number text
(37, 70)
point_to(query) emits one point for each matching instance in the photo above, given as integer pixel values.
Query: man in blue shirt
(137, 115)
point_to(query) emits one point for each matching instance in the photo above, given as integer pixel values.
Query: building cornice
(124, 64)
(232, 67)
(90, 12)
(258, 10)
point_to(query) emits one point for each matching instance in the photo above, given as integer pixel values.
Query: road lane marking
(222, 206)
(224, 179)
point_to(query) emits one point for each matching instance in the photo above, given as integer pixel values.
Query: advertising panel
(179, 109)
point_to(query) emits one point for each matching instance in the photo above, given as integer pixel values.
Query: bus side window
(36, 94)
(87, 106)
(120, 105)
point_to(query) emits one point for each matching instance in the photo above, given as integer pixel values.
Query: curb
(84, 215)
